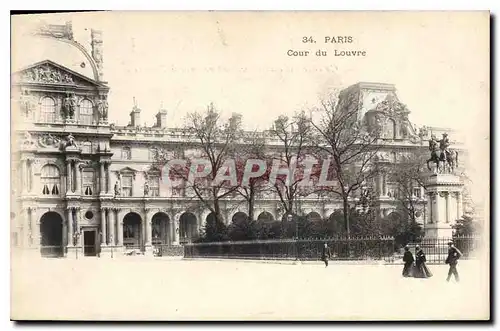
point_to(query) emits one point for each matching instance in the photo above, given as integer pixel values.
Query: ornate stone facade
(83, 182)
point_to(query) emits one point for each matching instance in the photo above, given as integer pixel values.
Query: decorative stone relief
(47, 74)
(49, 141)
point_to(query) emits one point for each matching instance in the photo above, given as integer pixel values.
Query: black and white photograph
(250, 166)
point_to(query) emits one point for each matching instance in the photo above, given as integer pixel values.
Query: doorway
(89, 243)
(51, 231)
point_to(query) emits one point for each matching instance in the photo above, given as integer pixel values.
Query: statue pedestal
(444, 205)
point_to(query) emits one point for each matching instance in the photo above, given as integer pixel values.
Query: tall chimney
(161, 118)
(135, 115)
(97, 50)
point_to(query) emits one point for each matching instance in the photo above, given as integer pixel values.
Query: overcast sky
(439, 63)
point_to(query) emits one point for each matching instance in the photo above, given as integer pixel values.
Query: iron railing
(168, 250)
(353, 248)
(436, 250)
(341, 248)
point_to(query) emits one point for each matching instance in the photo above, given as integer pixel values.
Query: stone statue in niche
(69, 105)
(102, 108)
(26, 103)
(146, 189)
(118, 190)
(70, 141)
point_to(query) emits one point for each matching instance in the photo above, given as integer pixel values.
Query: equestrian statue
(445, 159)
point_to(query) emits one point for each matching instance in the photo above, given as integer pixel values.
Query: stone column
(385, 189)
(460, 210)
(24, 176)
(29, 175)
(78, 177)
(77, 226)
(380, 187)
(35, 229)
(176, 232)
(26, 227)
(101, 177)
(448, 207)
(119, 235)
(103, 227)
(68, 176)
(147, 227)
(110, 188)
(171, 232)
(65, 236)
(112, 226)
(430, 207)
(70, 226)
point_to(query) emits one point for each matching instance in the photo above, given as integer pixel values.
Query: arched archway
(132, 232)
(265, 217)
(239, 217)
(188, 227)
(160, 232)
(51, 231)
(314, 217)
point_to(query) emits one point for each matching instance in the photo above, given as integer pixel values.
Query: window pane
(47, 110)
(86, 112)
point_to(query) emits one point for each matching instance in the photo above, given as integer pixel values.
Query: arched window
(86, 112)
(51, 180)
(48, 110)
(126, 153)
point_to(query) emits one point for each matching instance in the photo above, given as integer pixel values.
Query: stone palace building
(78, 180)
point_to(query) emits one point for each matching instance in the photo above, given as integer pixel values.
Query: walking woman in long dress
(421, 270)
(408, 260)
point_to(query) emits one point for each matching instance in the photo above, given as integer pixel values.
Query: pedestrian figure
(325, 254)
(421, 270)
(408, 260)
(453, 255)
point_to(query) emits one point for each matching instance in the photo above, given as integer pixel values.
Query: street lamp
(76, 235)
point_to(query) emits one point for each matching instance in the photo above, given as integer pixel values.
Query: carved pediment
(48, 72)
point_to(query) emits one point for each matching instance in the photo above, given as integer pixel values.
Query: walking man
(325, 254)
(453, 255)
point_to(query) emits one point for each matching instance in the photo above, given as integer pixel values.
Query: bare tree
(214, 140)
(349, 145)
(254, 147)
(409, 174)
(294, 139)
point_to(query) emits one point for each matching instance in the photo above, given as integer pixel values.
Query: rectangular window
(88, 182)
(127, 185)
(416, 192)
(154, 186)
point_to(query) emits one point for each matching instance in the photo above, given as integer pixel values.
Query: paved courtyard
(143, 288)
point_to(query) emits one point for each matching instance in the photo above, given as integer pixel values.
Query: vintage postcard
(175, 166)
